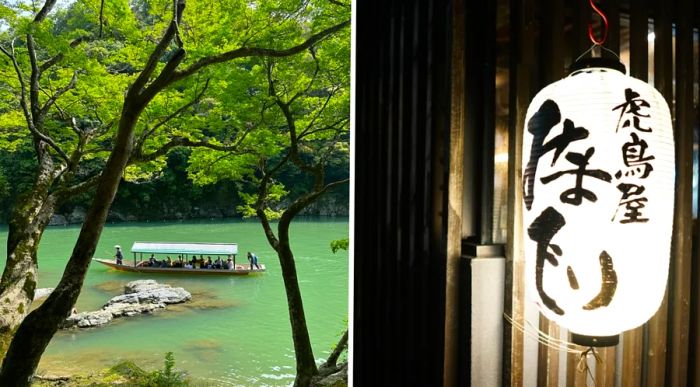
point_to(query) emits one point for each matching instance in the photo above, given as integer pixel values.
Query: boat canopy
(185, 248)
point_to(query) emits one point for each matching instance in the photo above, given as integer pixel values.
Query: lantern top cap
(607, 63)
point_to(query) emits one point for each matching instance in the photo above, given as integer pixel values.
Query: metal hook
(605, 26)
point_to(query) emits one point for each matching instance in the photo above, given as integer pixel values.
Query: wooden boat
(185, 250)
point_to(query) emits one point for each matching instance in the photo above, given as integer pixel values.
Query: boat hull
(129, 267)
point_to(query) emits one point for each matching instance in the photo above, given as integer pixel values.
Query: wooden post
(521, 68)
(632, 359)
(455, 192)
(552, 58)
(679, 281)
(663, 81)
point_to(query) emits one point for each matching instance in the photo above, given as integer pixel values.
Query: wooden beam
(633, 340)
(605, 370)
(548, 358)
(639, 44)
(521, 68)
(575, 377)
(681, 257)
(552, 58)
(455, 193)
(663, 80)
(612, 12)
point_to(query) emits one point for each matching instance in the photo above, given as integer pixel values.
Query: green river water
(235, 331)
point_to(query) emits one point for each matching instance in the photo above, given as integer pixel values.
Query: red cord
(605, 26)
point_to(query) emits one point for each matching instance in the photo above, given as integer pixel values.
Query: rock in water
(88, 319)
(142, 296)
(141, 285)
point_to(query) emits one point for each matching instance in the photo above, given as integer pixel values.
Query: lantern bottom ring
(595, 341)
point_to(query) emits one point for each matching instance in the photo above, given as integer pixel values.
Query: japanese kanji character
(635, 159)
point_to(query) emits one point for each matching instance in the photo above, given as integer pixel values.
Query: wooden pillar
(521, 75)
(455, 194)
(655, 349)
(680, 270)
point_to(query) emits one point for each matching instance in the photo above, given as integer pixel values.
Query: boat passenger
(168, 262)
(188, 266)
(118, 255)
(209, 263)
(229, 263)
(217, 263)
(253, 260)
(193, 262)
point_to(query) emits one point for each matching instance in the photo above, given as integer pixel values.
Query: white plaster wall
(488, 276)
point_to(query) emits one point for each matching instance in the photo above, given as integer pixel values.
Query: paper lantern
(598, 192)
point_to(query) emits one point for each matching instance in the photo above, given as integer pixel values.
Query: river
(235, 332)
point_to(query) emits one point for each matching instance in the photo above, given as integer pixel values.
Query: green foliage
(235, 109)
(167, 377)
(340, 244)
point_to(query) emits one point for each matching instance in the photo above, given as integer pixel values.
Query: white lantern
(598, 190)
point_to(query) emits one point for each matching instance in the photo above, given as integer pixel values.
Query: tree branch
(58, 94)
(311, 82)
(22, 85)
(34, 82)
(338, 3)
(158, 52)
(174, 114)
(79, 188)
(333, 126)
(256, 51)
(302, 202)
(41, 15)
(182, 141)
(337, 351)
(59, 57)
(102, 9)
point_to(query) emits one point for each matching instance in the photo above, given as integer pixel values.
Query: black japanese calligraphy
(540, 125)
(608, 284)
(632, 105)
(633, 202)
(542, 230)
(637, 163)
(576, 194)
(573, 281)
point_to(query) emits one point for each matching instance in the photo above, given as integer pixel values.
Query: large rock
(142, 296)
(88, 319)
(128, 310)
(77, 216)
(58, 220)
(142, 285)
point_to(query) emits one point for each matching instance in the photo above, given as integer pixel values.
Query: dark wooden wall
(402, 82)
(410, 102)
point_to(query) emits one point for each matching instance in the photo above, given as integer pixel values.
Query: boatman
(253, 260)
(118, 255)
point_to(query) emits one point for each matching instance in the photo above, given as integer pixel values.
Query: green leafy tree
(161, 59)
(304, 127)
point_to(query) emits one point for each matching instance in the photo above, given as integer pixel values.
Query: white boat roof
(185, 248)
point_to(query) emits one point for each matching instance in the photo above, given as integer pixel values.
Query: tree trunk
(332, 360)
(306, 363)
(37, 329)
(28, 221)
